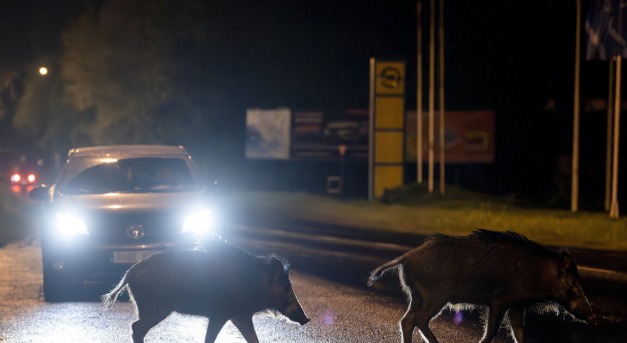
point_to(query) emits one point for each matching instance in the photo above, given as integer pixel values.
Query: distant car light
(31, 178)
(23, 179)
(16, 178)
(70, 225)
(199, 223)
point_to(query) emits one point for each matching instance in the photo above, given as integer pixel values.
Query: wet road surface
(341, 309)
(339, 313)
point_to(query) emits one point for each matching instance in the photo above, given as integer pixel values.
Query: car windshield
(133, 175)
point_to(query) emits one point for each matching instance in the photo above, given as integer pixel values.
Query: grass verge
(457, 213)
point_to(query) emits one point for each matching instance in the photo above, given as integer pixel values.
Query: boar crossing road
(504, 271)
(339, 312)
(221, 283)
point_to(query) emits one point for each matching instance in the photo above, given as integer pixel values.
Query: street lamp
(43, 71)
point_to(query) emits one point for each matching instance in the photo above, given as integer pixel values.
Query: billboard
(268, 134)
(319, 135)
(316, 135)
(468, 136)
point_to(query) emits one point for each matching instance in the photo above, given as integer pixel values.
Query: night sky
(315, 53)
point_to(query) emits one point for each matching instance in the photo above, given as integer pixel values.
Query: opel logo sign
(390, 77)
(135, 232)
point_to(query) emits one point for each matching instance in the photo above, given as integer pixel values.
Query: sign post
(387, 126)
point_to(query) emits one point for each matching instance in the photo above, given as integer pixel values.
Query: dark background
(513, 57)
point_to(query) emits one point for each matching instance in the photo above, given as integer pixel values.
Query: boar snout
(302, 320)
(295, 313)
(582, 310)
(578, 304)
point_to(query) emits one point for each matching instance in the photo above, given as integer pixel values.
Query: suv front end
(113, 206)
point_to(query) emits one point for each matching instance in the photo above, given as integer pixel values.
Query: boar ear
(278, 265)
(567, 263)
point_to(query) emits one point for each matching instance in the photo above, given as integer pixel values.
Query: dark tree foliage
(118, 78)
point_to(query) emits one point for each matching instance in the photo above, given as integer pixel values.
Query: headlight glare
(199, 223)
(69, 225)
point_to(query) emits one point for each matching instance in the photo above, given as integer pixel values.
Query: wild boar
(221, 282)
(503, 270)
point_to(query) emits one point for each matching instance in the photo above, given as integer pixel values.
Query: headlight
(69, 225)
(199, 223)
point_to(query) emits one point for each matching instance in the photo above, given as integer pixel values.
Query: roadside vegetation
(413, 210)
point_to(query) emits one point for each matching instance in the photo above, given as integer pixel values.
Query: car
(21, 169)
(113, 206)
(19, 178)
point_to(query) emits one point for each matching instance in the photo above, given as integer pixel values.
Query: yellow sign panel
(387, 101)
(389, 112)
(387, 177)
(389, 147)
(390, 78)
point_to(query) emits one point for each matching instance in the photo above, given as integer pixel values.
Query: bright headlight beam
(69, 225)
(199, 222)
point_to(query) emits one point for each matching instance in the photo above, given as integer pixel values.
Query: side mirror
(39, 193)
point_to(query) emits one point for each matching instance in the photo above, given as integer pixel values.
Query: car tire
(55, 287)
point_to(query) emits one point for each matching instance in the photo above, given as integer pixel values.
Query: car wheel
(55, 287)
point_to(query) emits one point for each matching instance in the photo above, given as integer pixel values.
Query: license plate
(131, 256)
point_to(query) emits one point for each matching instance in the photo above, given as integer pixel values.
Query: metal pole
(614, 200)
(419, 92)
(574, 195)
(431, 92)
(608, 142)
(371, 111)
(441, 98)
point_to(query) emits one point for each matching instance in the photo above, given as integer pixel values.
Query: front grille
(153, 227)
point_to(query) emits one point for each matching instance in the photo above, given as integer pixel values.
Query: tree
(114, 82)
(116, 65)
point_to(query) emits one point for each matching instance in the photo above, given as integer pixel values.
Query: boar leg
(146, 322)
(419, 318)
(245, 325)
(213, 329)
(496, 313)
(517, 321)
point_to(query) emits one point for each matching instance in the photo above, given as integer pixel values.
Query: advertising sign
(321, 135)
(268, 133)
(468, 137)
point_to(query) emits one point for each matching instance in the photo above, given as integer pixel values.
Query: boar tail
(110, 298)
(378, 273)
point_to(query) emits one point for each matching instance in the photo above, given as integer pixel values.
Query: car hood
(130, 202)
